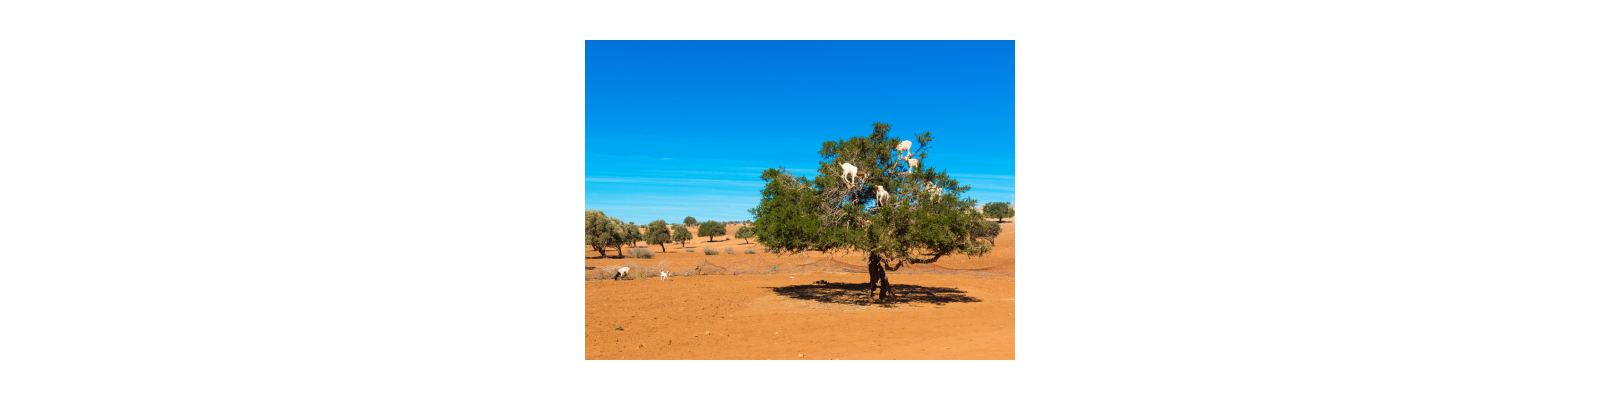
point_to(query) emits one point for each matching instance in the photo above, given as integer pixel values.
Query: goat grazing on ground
(620, 273)
(665, 274)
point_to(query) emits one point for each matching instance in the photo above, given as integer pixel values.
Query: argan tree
(632, 234)
(988, 231)
(681, 235)
(712, 229)
(658, 233)
(689, 221)
(600, 231)
(745, 232)
(910, 225)
(1001, 210)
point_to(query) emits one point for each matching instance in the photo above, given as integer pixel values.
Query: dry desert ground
(736, 307)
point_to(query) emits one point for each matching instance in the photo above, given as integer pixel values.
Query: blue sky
(684, 128)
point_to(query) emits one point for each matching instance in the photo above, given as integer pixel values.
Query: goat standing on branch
(797, 215)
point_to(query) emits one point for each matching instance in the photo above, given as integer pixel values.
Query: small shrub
(691, 249)
(749, 251)
(643, 253)
(728, 250)
(710, 251)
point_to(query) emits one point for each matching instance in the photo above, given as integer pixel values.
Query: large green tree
(689, 221)
(712, 229)
(920, 218)
(1001, 210)
(658, 233)
(601, 231)
(681, 235)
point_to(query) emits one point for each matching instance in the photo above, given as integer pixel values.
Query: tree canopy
(745, 232)
(681, 235)
(713, 229)
(689, 221)
(658, 233)
(1001, 210)
(921, 217)
(601, 231)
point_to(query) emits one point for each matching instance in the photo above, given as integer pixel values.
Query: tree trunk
(878, 287)
(663, 246)
(602, 251)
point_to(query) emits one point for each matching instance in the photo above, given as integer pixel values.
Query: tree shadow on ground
(856, 294)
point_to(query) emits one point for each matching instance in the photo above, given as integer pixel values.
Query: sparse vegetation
(643, 253)
(710, 251)
(728, 250)
(749, 251)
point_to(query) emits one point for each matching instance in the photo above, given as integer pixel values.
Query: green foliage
(712, 229)
(631, 233)
(745, 232)
(796, 214)
(601, 232)
(689, 221)
(681, 234)
(829, 214)
(1001, 210)
(658, 233)
(987, 230)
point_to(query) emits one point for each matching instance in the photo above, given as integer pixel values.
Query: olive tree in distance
(712, 229)
(681, 235)
(658, 233)
(1001, 210)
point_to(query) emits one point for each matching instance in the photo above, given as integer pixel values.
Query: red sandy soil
(773, 316)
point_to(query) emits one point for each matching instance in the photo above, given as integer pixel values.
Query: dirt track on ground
(773, 316)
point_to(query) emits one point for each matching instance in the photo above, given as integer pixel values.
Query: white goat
(850, 172)
(620, 273)
(905, 145)
(883, 196)
(912, 162)
(933, 188)
(665, 274)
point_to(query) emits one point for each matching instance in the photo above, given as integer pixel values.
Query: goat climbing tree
(911, 225)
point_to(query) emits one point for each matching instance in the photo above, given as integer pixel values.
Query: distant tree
(987, 230)
(600, 231)
(745, 232)
(1001, 210)
(632, 234)
(681, 235)
(689, 221)
(658, 233)
(712, 229)
(832, 214)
